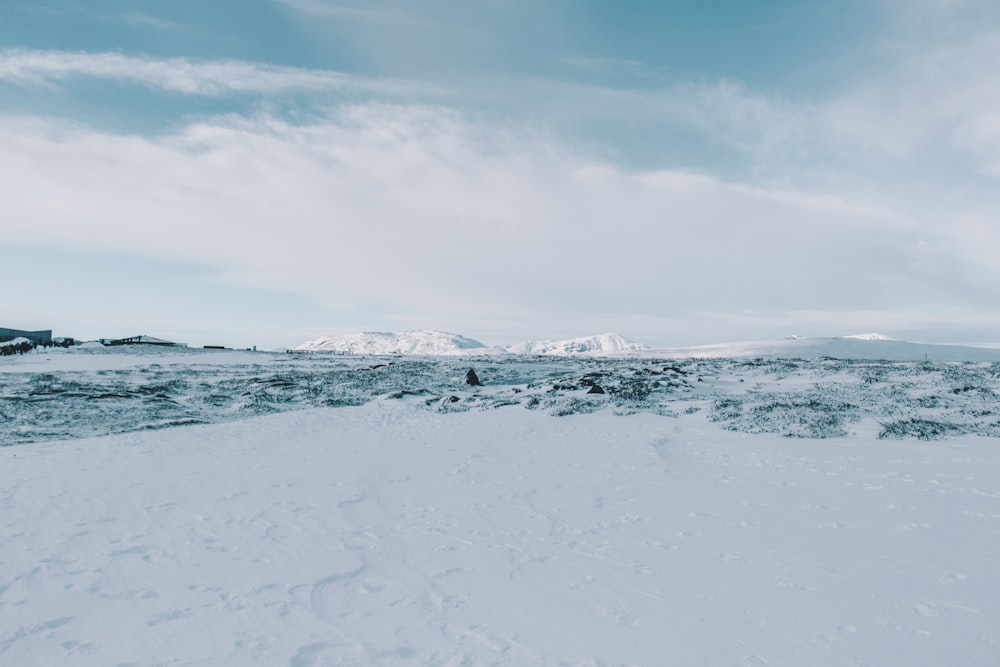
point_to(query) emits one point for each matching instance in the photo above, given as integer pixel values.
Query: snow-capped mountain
(869, 336)
(432, 343)
(601, 344)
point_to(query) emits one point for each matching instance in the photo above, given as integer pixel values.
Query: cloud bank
(488, 209)
(426, 214)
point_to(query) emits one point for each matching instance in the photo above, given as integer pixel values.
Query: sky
(263, 172)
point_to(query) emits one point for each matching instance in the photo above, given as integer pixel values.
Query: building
(36, 337)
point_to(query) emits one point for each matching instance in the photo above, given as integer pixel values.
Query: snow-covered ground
(699, 512)
(62, 394)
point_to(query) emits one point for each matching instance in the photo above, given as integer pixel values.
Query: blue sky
(260, 172)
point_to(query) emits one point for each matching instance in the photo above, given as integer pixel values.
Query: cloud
(145, 20)
(184, 76)
(434, 216)
(933, 92)
(871, 206)
(920, 110)
(368, 13)
(627, 68)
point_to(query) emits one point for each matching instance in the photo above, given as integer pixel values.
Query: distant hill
(608, 343)
(869, 336)
(433, 343)
(439, 343)
(864, 346)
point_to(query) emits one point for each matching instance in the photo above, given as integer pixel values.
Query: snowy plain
(231, 508)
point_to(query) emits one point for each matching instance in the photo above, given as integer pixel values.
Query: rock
(472, 378)
(596, 389)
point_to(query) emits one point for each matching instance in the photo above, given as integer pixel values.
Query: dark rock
(596, 389)
(472, 378)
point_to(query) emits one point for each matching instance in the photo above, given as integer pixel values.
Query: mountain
(869, 336)
(602, 344)
(432, 343)
(859, 346)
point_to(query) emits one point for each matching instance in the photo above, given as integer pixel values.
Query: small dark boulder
(596, 389)
(472, 378)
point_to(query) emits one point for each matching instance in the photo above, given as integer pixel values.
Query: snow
(99, 358)
(63, 394)
(387, 343)
(14, 342)
(702, 512)
(602, 344)
(870, 336)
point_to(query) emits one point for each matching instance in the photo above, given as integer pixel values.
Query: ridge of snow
(15, 341)
(600, 344)
(423, 342)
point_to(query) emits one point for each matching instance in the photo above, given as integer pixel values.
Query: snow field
(391, 534)
(82, 394)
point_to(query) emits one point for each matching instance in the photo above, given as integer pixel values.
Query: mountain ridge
(607, 343)
(439, 343)
(418, 342)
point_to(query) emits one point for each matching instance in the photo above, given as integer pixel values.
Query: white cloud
(184, 76)
(366, 12)
(428, 215)
(146, 20)
(934, 94)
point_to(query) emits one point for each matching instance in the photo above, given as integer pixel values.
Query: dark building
(143, 340)
(36, 337)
